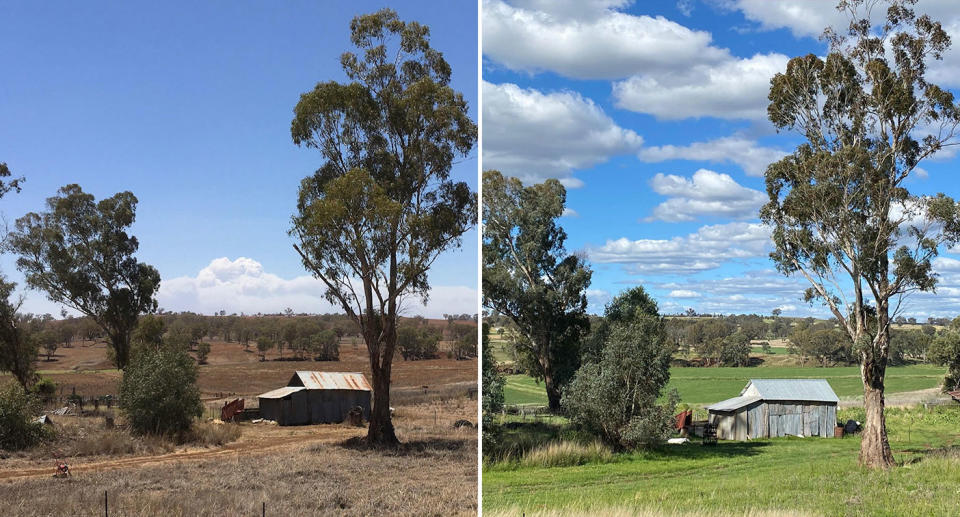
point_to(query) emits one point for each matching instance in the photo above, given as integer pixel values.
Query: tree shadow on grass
(425, 447)
(921, 454)
(722, 449)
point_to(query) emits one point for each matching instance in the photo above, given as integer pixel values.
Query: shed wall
(772, 419)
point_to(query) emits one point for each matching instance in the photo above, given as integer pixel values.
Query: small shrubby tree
(326, 346)
(159, 392)
(17, 411)
(945, 351)
(417, 342)
(491, 392)
(264, 344)
(18, 343)
(616, 397)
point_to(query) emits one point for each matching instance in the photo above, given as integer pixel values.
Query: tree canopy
(79, 253)
(382, 207)
(529, 277)
(841, 215)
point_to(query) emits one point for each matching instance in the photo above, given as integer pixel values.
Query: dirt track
(260, 444)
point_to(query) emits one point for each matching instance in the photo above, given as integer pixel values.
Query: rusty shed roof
(279, 393)
(330, 381)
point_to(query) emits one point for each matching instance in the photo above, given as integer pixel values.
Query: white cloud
(589, 40)
(731, 89)
(242, 285)
(569, 212)
(597, 300)
(708, 248)
(746, 153)
(683, 293)
(707, 193)
(808, 18)
(534, 135)
(685, 7)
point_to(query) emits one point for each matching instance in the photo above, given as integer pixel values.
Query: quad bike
(63, 470)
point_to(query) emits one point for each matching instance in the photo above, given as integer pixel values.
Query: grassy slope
(708, 385)
(812, 474)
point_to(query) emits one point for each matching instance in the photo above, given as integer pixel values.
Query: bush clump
(616, 397)
(17, 427)
(159, 392)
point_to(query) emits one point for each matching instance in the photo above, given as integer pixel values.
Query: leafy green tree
(945, 351)
(382, 207)
(17, 427)
(841, 215)
(264, 344)
(49, 341)
(417, 342)
(326, 346)
(203, 352)
(18, 343)
(149, 333)
(491, 385)
(735, 350)
(466, 345)
(80, 254)
(159, 391)
(616, 398)
(529, 277)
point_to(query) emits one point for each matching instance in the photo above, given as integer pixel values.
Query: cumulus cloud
(569, 212)
(242, 285)
(683, 293)
(746, 153)
(534, 135)
(731, 89)
(589, 40)
(707, 193)
(708, 248)
(808, 18)
(597, 300)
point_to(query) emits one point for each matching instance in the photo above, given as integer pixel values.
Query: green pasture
(709, 385)
(803, 476)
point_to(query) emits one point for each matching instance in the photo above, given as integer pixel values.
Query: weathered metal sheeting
(330, 381)
(279, 393)
(813, 390)
(732, 404)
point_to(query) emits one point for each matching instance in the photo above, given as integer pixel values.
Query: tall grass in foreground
(566, 454)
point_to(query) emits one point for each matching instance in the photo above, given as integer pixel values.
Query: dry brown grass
(232, 371)
(434, 472)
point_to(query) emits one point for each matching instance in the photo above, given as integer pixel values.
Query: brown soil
(232, 371)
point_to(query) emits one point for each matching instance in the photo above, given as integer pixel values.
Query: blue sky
(653, 114)
(188, 105)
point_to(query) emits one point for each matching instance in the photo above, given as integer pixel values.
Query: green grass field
(709, 385)
(815, 476)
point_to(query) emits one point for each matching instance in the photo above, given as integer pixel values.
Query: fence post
(106, 505)
(263, 513)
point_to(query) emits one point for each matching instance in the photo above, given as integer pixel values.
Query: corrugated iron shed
(816, 390)
(732, 404)
(330, 381)
(279, 393)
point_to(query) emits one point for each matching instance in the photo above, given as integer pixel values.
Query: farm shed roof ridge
(732, 404)
(817, 390)
(312, 380)
(279, 393)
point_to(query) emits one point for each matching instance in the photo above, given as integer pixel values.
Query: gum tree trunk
(380, 431)
(874, 446)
